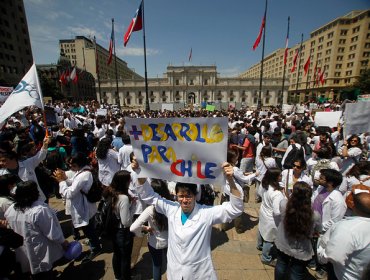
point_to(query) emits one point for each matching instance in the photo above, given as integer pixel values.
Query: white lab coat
(108, 167)
(26, 171)
(333, 208)
(42, 235)
(346, 246)
(269, 215)
(189, 251)
(81, 209)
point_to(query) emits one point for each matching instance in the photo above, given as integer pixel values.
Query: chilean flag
(295, 61)
(258, 40)
(109, 61)
(136, 24)
(307, 65)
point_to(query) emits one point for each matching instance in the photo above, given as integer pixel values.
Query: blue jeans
(266, 247)
(286, 265)
(90, 233)
(247, 164)
(123, 242)
(157, 257)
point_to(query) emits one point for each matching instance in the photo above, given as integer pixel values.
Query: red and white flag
(318, 76)
(62, 78)
(286, 44)
(109, 61)
(74, 76)
(307, 65)
(295, 61)
(136, 24)
(258, 40)
(322, 77)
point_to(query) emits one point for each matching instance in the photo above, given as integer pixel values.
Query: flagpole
(115, 59)
(284, 69)
(97, 68)
(259, 104)
(299, 65)
(42, 101)
(308, 70)
(147, 108)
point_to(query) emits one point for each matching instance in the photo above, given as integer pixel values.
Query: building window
(319, 47)
(321, 39)
(366, 54)
(349, 73)
(367, 45)
(354, 39)
(350, 64)
(328, 52)
(352, 48)
(177, 82)
(328, 44)
(340, 50)
(255, 100)
(364, 62)
(339, 57)
(342, 41)
(337, 74)
(191, 82)
(205, 82)
(330, 35)
(313, 43)
(336, 81)
(351, 56)
(267, 100)
(356, 29)
(343, 32)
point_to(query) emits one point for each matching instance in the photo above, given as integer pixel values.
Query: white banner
(287, 108)
(356, 118)
(4, 93)
(189, 150)
(101, 112)
(330, 119)
(27, 93)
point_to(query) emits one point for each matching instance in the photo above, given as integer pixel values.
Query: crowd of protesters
(312, 183)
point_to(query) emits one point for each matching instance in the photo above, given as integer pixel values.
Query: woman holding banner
(190, 226)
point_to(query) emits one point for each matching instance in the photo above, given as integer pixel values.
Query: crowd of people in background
(312, 183)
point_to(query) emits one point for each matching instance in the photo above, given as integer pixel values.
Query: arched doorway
(191, 98)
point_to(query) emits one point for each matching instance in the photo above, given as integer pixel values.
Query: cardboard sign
(180, 149)
(287, 108)
(356, 118)
(167, 106)
(330, 119)
(364, 97)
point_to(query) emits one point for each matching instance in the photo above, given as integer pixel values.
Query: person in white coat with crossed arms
(190, 226)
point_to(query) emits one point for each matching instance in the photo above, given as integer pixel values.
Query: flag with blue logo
(27, 93)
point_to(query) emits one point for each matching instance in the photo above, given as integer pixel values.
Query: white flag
(73, 75)
(27, 93)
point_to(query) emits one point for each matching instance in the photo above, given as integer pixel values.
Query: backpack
(293, 155)
(321, 164)
(106, 221)
(95, 192)
(207, 196)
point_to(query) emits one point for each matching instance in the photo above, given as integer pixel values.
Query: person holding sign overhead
(190, 226)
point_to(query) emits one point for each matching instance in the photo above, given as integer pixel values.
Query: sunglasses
(297, 166)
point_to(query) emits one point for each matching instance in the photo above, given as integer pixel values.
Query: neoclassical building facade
(193, 85)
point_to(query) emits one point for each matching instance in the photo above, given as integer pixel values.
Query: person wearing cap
(346, 244)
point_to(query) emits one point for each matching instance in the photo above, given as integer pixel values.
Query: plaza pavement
(234, 255)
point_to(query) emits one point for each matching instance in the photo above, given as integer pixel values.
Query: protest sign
(101, 112)
(356, 118)
(330, 119)
(364, 97)
(210, 108)
(299, 109)
(287, 108)
(313, 106)
(4, 93)
(167, 106)
(189, 150)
